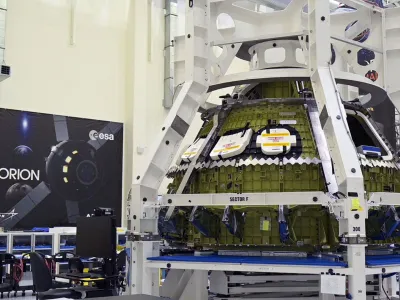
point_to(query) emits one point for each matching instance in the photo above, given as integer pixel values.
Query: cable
(18, 271)
(387, 296)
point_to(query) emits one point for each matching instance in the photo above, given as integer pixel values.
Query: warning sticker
(288, 122)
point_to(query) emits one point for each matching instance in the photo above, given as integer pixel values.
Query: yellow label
(266, 225)
(276, 144)
(189, 153)
(228, 148)
(355, 205)
(275, 134)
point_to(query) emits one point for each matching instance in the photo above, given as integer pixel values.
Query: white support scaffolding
(147, 182)
(194, 53)
(343, 152)
(246, 199)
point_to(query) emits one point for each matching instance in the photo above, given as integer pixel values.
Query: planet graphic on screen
(17, 191)
(22, 156)
(23, 151)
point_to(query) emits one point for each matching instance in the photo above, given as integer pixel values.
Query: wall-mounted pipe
(170, 13)
(3, 14)
(73, 3)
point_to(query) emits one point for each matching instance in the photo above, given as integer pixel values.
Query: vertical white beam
(356, 260)
(343, 152)
(332, 113)
(169, 85)
(142, 280)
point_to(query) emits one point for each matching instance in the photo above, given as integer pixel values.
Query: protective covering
(206, 222)
(235, 221)
(172, 229)
(383, 224)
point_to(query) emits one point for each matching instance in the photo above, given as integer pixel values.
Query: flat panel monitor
(96, 237)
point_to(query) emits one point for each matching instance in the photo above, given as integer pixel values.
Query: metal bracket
(131, 237)
(356, 240)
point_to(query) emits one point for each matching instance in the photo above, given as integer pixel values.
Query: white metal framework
(202, 73)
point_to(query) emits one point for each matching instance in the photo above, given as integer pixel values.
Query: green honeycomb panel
(257, 179)
(379, 179)
(253, 234)
(281, 89)
(207, 126)
(309, 226)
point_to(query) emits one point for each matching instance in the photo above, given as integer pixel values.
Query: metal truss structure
(394, 2)
(313, 31)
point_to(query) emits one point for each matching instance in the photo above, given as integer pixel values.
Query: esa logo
(94, 135)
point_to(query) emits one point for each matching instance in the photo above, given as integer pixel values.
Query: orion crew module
(295, 171)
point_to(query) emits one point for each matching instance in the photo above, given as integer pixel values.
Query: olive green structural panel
(309, 226)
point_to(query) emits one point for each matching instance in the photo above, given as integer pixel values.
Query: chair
(22, 275)
(75, 265)
(7, 284)
(43, 281)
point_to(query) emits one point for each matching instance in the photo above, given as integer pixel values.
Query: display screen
(95, 237)
(54, 169)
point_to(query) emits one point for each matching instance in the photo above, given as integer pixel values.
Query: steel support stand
(357, 283)
(346, 163)
(142, 280)
(171, 282)
(186, 285)
(196, 288)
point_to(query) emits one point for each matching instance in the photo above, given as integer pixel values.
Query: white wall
(50, 75)
(144, 112)
(114, 71)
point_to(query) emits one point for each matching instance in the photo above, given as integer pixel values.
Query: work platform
(313, 265)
